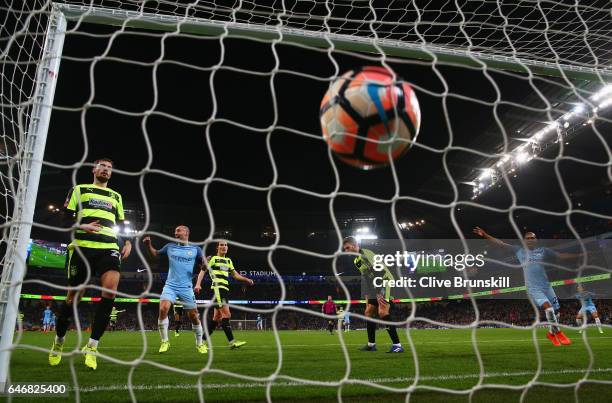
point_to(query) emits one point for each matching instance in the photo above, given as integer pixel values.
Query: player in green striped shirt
(378, 300)
(93, 210)
(219, 268)
(113, 318)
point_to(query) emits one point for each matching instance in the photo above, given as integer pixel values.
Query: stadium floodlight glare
(481, 185)
(578, 108)
(126, 222)
(522, 157)
(604, 104)
(363, 230)
(603, 92)
(539, 135)
(361, 237)
(552, 126)
(51, 207)
(116, 228)
(487, 173)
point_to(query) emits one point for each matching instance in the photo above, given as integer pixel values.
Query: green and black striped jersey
(89, 203)
(365, 264)
(114, 313)
(219, 269)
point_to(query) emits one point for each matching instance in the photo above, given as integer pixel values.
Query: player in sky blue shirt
(533, 261)
(183, 260)
(347, 321)
(586, 305)
(47, 313)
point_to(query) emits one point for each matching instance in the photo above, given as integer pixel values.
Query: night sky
(152, 92)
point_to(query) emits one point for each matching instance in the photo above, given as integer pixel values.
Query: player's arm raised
(152, 251)
(240, 277)
(482, 233)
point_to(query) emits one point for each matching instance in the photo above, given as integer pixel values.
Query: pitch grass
(446, 360)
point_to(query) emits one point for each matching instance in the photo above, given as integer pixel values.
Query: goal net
(210, 112)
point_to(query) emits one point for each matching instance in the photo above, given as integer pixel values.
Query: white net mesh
(184, 82)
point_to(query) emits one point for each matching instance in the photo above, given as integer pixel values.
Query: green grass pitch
(446, 359)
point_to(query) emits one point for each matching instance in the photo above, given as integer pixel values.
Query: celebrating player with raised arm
(219, 268)
(94, 210)
(183, 259)
(378, 300)
(538, 286)
(113, 318)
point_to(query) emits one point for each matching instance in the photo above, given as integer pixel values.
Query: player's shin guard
(199, 332)
(163, 329)
(392, 330)
(371, 327)
(63, 320)
(552, 320)
(101, 317)
(225, 325)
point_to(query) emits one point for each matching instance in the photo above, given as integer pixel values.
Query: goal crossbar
(396, 48)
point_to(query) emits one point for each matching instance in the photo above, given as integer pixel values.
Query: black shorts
(100, 261)
(220, 297)
(178, 310)
(113, 321)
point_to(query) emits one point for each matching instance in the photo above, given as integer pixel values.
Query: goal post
(30, 159)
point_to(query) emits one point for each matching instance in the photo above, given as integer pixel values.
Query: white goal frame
(31, 159)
